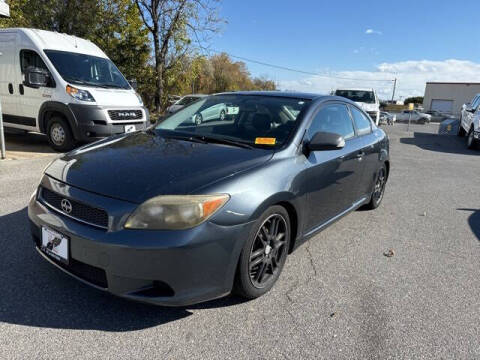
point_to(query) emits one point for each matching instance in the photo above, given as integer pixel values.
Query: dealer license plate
(55, 245)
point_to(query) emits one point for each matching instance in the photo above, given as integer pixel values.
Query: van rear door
(8, 77)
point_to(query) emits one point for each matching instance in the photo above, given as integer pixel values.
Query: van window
(364, 96)
(31, 58)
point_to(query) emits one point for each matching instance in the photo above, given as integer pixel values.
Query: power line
(296, 70)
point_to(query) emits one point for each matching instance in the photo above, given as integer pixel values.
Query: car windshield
(252, 120)
(87, 70)
(367, 97)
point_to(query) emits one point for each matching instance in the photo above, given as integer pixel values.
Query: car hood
(142, 165)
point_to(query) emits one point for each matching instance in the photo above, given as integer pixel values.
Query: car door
(370, 148)
(332, 175)
(32, 98)
(8, 77)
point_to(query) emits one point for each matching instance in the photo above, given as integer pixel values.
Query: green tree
(414, 100)
(173, 24)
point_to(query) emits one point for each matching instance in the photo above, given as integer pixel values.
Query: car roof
(286, 94)
(355, 89)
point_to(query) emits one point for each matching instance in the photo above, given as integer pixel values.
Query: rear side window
(362, 122)
(29, 58)
(333, 119)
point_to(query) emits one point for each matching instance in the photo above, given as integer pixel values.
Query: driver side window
(333, 118)
(29, 58)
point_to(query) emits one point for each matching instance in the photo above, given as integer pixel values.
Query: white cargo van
(367, 99)
(64, 87)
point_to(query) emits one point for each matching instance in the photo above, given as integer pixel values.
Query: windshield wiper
(216, 140)
(206, 139)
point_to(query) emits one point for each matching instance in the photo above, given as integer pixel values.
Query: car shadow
(474, 221)
(439, 143)
(35, 293)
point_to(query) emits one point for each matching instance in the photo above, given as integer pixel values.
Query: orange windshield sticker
(265, 141)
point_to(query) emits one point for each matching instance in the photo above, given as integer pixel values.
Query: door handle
(21, 89)
(10, 88)
(360, 155)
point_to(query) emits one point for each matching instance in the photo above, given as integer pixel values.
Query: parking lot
(339, 296)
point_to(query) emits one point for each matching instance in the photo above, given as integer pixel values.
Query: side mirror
(326, 141)
(133, 83)
(36, 77)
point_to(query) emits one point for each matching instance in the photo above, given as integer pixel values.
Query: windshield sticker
(265, 141)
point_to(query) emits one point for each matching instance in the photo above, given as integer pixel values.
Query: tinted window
(333, 119)
(29, 58)
(362, 123)
(475, 102)
(262, 121)
(187, 100)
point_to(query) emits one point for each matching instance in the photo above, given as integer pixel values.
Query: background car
(467, 115)
(216, 112)
(387, 118)
(414, 116)
(184, 101)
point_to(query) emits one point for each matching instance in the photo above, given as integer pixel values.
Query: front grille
(125, 114)
(79, 211)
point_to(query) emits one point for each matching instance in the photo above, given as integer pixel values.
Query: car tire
(461, 131)
(59, 134)
(472, 143)
(222, 115)
(198, 119)
(264, 254)
(379, 189)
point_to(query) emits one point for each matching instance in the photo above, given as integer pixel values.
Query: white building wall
(459, 93)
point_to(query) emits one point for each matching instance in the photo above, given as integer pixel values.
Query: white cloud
(411, 77)
(373, 32)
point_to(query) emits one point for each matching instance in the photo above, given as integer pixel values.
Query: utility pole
(394, 88)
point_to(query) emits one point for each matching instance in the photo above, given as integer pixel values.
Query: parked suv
(469, 122)
(367, 99)
(64, 87)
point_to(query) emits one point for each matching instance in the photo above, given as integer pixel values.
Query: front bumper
(173, 268)
(93, 122)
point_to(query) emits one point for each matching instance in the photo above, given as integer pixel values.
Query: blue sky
(411, 40)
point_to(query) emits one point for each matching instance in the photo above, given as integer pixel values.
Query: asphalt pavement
(339, 296)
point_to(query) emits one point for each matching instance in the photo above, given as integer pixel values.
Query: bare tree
(175, 25)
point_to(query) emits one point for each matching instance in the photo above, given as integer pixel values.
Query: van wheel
(264, 254)
(59, 134)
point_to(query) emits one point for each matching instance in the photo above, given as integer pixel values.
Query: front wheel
(59, 134)
(471, 141)
(379, 189)
(222, 115)
(264, 254)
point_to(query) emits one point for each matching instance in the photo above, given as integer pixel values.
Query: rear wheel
(379, 189)
(264, 254)
(59, 134)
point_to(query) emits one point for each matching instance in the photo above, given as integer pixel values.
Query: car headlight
(82, 95)
(139, 98)
(175, 212)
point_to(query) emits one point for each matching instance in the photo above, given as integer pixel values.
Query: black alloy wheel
(268, 250)
(379, 188)
(264, 254)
